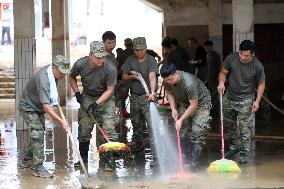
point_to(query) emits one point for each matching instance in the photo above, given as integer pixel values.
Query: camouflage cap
(98, 48)
(139, 43)
(62, 63)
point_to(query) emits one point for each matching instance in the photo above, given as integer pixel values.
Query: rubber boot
(196, 152)
(83, 148)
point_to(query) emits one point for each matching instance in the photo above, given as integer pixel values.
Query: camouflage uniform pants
(36, 126)
(140, 116)
(198, 126)
(238, 118)
(104, 115)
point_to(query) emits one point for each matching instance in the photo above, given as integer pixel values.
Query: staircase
(7, 83)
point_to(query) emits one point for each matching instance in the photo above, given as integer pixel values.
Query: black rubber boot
(231, 152)
(83, 148)
(196, 152)
(243, 158)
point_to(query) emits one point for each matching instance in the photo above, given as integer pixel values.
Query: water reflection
(263, 170)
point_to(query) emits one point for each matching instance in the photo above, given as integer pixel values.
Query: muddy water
(264, 170)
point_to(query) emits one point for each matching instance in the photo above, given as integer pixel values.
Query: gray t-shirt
(149, 65)
(111, 58)
(243, 78)
(94, 80)
(36, 92)
(189, 88)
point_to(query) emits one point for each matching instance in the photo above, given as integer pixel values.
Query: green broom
(223, 165)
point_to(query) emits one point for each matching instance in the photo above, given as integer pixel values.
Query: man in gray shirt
(147, 66)
(245, 73)
(34, 102)
(194, 102)
(99, 78)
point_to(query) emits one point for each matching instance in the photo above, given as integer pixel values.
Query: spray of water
(165, 144)
(163, 139)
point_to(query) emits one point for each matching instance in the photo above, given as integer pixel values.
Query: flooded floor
(265, 168)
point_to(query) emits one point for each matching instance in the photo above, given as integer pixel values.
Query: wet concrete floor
(265, 168)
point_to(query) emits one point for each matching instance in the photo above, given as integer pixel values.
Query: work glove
(79, 97)
(92, 107)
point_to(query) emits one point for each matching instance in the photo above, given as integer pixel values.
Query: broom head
(223, 165)
(113, 146)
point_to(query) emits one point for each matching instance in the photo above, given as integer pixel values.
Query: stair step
(7, 79)
(7, 84)
(7, 90)
(7, 96)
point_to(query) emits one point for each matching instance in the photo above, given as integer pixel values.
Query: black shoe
(231, 152)
(243, 159)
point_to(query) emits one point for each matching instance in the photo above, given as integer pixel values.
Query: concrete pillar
(215, 25)
(60, 45)
(243, 24)
(24, 49)
(60, 41)
(45, 15)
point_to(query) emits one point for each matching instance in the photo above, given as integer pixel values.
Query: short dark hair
(247, 45)
(167, 69)
(174, 42)
(208, 43)
(108, 35)
(193, 39)
(167, 42)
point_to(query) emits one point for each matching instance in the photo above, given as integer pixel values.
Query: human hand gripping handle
(79, 97)
(92, 107)
(221, 88)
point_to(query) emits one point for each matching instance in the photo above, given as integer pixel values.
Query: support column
(215, 25)
(60, 46)
(24, 49)
(60, 41)
(243, 26)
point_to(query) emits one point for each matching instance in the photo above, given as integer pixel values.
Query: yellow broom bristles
(223, 165)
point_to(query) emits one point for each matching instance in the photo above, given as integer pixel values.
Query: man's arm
(54, 115)
(222, 80)
(126, 76)
(188, 112)
(259, 93)
(191, 108)
(106, 95)
(172, 102)
(73, 84)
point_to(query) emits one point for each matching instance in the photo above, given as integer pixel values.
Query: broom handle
(74, 144)
(179, 151)
(98, 126)
(222, 124)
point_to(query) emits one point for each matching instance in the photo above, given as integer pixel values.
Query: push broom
(223, 165)
(109, 146)
(181, 174)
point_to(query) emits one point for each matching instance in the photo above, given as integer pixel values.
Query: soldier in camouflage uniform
(244, 72)
(195, 103)
(147, 66)
(33, 103)
(99, 77)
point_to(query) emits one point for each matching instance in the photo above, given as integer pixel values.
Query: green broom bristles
(223, 165)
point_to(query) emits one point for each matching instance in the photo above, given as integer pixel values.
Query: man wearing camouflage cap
(99, 78)
(147, 66)
(36, 99)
